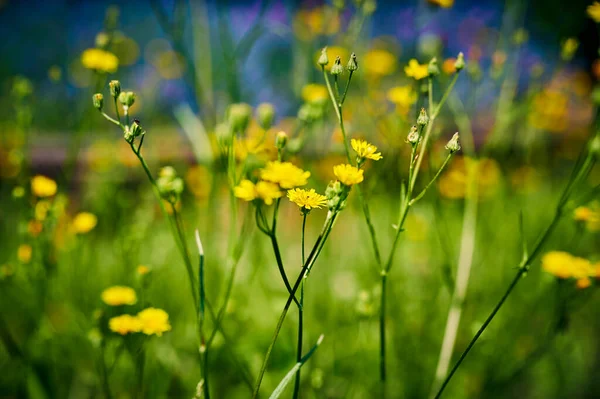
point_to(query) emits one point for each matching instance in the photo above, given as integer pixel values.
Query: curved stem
(300, 316)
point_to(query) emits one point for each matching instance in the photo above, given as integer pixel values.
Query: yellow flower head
(41, 209)
(142, 270)
(564, 265)
(24, 253)
(379, 62)
(84, 222)
(416, 70)
(119, 295)
(593, 11)
(442, 3)
(403, 96)
(307, 199)
(285, 174)
(590, 215)
(100, 60)
(245, 191)
(312, 93)
(348, 174)
(365, 150)
(124, 324)
(43, 186)
(268, 191)
(154, 321)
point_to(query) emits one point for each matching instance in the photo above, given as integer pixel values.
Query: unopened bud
(115, 88)
(127, 98)
(265, 113)
(453, 145)
(413, 136)
(595, 146)
(432, 67)
(98, 100)
(136, 128)
(423, 119)
(459, 64)
(352, 64)
(281, 140)
(323, 59)
(127, 135)
(337, 68)
(239, 116)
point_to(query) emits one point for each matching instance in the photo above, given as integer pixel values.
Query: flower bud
(595, 146)
(98, 100)
(423, 118)
(169, 185)
(265, 113)
(281, 140)
(432, 67)
(352, 64)
(323, 59)
(413, 136)
(459, 64)
(127, 98)
(337, 68)
(239, 116)
(453, 145)
(128, 135)
(136, 129)
(115, 88)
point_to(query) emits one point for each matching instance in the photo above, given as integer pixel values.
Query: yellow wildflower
(416, 70)
(84, 222)
(583, 283)
(379, 63)
(41, 209)
(43, 186)
(34, 228)
(268, 191)
(590, 215)
(154, 321)
(569, 48)
(100, 60)
(365, 150)
(124, 324)
(286, 174)
(442, 3)
(24, 253)
(593, 11)
(199, 180)
(245, 191)
(564, 265)
(448, 66)
(142, 270)
(402, 96)
(348, 174)
(119, 295)
(313, 92)
(307, 199)
(453, 182)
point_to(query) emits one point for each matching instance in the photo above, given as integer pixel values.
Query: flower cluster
(100, 60)
(119, 295)
(150, 321)
(566, 266)
(416, 70)
(275, 176)
(589, 215)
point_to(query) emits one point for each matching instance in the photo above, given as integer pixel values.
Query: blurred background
(527, 100)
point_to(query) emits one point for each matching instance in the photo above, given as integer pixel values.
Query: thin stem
(422, 193)
(444, 96)
(300, 315)
(141, 360)
(382, 313)
(116, 122)
(104, 369)
(346, 89)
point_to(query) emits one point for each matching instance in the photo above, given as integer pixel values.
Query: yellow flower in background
(41, 209)
(307, 199)
(416, 70)
(268, 191)
(564, 265)
(34, 228)
(154, 321)
(323, 20)
(569, 48)
(453, 182)
(348, 174)
(442, 3)
(245, 191)
(286, 174)
(43, 186)
(590, 215)
(24, 253)
(119, 295)
(332, 52)
(199, 180)
(402, 96)
(365, 150)
(125, 324)
(448, 66)
(379, 63)
(549, 111)
(84, 222)
(593, 11)
(142, 270)
(314, 93)
(100, 60)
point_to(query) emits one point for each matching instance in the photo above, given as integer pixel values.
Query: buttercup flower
(43, 186)
(416, 70)
(100, 60)
(564, 265)
(124, 324)
(590, 215)
(154, 321)
(119, 295)
(285, 174)
(314, 93)
(379, 62)
(245, 191)
(365, 150)
(442, 3)
(84, 222)
(348, 174)
(402, 96)
(307, 199)
(593, 11)
(268, 191)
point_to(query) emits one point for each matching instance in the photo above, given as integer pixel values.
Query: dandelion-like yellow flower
(348, 174)
(593, 11)
(588, 215)
(286, 174)
(248, 191)
(154, 321)
(43, 186)
(416, 70)
(307, 199)
(24, 253)
(245, 191)
(142, 270)
(442, 3)
(119, 295)
(124, 324)
(379, 62)
(314, 93)
(84, 222)
(365, 150)
(100, 60)
(564, 265)
(403, 96)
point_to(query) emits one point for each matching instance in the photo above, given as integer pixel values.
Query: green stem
(422, 193)
(382, 313)
(300, 315)
(141, 360)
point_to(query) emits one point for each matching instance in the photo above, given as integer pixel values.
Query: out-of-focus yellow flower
(245, 191)
(453, 183)
(125, 324)
(590, 215)
(569, 48)
(564, 265)
(169, 64)
(34, 228)
(84, 222)
(43, 186)
(525, 179)
(442, 3)
(322, 20)
(268, 191)
(199, 180)
(142, 270)
(154, 321)
(6, 271)
(448, 66)
(100, 60)
(416, 70)
(593, 11)
(403, 97)
(286, 174)
(583, 283)
(379, 63)
(307, 199)
(252, 144)
(549, 111)
(41, 209)
(314, 93)
(24, 253)
(348, 174)
(365, 150)
(119, 295)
